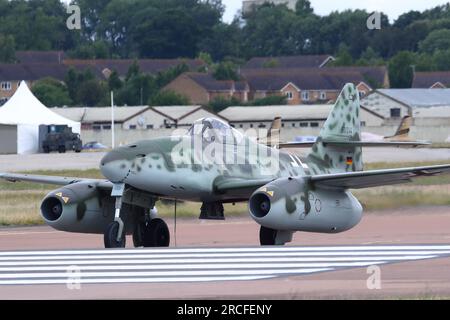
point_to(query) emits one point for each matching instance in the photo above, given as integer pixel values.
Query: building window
(323, 95)
(241, 126)
(3, 101)
(6, 86)
(314, 124)
(395, 113)
(149, 127)
(251, 125)
(107, 127)
(305, 95)
(133, 127)
(363, 123)
(303, 124)
(293, 125)
(282, 125)
(262, 125)
(96, 127)
(289, 95)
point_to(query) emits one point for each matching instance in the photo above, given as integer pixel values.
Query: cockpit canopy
(212, 129)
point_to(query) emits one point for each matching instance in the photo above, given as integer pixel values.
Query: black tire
(46, 150)
(156, 234)
(267, 236)
(62, 149)
(110, 237)
(138, 235)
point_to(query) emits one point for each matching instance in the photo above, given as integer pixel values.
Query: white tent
(26, 112)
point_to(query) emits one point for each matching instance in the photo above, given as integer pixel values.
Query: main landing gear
(149, 231)
(270, 237)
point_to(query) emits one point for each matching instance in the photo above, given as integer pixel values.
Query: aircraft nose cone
(115, 167)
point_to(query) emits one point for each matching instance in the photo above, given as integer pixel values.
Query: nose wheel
(112, 236)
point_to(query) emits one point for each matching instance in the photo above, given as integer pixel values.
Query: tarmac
(391, 254)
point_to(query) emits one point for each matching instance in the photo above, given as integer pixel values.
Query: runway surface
(197, 264)
(216, 259)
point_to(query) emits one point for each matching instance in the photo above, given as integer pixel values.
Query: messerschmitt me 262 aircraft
(215, 164)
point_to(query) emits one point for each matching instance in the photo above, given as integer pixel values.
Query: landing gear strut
(115, 233)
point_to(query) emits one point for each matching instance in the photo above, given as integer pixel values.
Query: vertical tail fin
(342, 125)
(273, 135)
(402, 133)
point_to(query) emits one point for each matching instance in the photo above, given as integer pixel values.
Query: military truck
(62, 139)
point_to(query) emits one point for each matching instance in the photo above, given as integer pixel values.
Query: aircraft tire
(156, 234)
(110, 236)
(267, 236)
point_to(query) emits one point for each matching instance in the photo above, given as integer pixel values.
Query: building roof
(304, 61)
(207, 81)
(428, 79)
(122, 114)
(152, 66)
(98, 114)
(31, 71)
(268, 113)
(288, 113)
(432, 112)
(419, 98)
(305, 79)
(40, 56)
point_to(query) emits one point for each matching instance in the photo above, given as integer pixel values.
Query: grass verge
(19, 202)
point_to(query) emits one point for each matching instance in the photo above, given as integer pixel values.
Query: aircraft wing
(356, 144)
(376, 178)
(288, 145)
(53, 180)
(239, 184)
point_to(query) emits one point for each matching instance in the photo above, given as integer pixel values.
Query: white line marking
(222, 255)
(178, 273)
(215, 250)
(136, 280)
(198, 266)
(213, 260)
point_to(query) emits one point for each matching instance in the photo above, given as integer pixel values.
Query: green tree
(225, 71)
(51, 92)
(169, 98)
(303, 8)
(401, 70)
(441, 60)
(90, 93)
(220, 103)
(7, 49)
(114, 82)
(343, 58)
(436, 40)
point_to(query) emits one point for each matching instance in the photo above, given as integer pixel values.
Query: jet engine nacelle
(292, 204)
(79, 207)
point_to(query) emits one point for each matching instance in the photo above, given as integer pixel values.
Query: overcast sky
(393, 8)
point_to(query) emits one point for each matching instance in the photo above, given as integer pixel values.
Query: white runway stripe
(226, 255)
(220, 250)
(196, 264)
